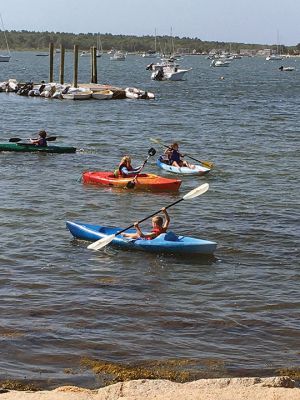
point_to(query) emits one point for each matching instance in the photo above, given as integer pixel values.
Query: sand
(275, 388)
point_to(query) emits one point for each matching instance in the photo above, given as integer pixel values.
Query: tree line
(31, 40)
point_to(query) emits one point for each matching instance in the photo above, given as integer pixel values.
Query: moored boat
(28, 147)
(164, 243)
(143, 181)
(105, 94)
(198, 170)
(135, 93)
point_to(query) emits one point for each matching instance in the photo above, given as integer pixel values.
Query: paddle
(131, 184)
(207, 164)
(16, 140)
(107, 239)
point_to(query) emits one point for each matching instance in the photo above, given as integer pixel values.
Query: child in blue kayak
(125, 169)
(175, 158)
(42, 139)
(159, 225)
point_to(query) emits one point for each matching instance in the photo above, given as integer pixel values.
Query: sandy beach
(274, 388)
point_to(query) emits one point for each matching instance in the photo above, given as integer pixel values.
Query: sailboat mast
(4, 34)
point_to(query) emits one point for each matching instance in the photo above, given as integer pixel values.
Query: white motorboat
(5, 57)
(274, 57)
(118, 56)
(104, 94)
(169, 73)
(168, 70)
(220, 63)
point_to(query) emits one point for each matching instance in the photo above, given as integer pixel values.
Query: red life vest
(158, 231)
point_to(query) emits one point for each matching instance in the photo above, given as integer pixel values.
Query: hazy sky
(247, 21)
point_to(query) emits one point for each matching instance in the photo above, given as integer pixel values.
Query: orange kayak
(143, 181)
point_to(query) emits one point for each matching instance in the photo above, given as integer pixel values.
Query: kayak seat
(171, 236)
(164, 160)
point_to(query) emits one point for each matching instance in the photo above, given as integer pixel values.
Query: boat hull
(199, 170)
(27, 147)
(165, 243)
(143, 182)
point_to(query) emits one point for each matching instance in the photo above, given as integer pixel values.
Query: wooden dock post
(62, 65)
(75, 81)
(94, 78)
(51, 57)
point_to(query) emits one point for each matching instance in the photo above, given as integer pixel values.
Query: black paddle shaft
(16, 140)
(131, 184)
(149, 216)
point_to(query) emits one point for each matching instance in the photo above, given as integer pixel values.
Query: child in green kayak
(159, 225)
(41, 140)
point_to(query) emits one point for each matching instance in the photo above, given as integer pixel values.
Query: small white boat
(4, 58)
(118, 56)
(274, 57)
(85, 54)
(150, 54)
(282, 68)
(220, 63)
(134, 93)
(77, 94)
(104, 94)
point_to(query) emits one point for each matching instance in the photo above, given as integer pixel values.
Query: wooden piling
(62, 65)
(94, 65)
(75, 81)
(51, 58)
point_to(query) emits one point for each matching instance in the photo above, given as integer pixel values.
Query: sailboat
(151, 53)
(4, 57)
(277, 55)
(99, 50)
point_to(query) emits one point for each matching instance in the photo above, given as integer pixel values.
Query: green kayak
(28, 147)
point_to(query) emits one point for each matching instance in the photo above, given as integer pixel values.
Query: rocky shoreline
(274, 388)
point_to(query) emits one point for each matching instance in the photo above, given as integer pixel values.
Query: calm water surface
(61, 302)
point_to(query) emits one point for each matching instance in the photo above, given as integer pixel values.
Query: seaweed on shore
(180, 370)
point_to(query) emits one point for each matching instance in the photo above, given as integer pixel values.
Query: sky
(244, 21)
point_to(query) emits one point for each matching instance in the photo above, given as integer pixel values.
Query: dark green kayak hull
(24, 147)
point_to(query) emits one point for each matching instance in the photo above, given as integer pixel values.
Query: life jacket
(158, 231)
(175, 156)
(42, 142)
(118, 172)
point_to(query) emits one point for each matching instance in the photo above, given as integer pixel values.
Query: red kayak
(142, 182)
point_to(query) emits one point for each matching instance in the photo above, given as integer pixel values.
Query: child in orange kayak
(158, 226)
(125, 169)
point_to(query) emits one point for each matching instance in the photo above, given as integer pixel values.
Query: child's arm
(167, 221)
(138, 230)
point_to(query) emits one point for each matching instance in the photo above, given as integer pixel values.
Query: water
(61, 302)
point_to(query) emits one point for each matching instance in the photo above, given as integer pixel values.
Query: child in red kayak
(42, 139)
(158, 226)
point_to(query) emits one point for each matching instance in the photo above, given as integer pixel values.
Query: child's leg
(131, 235)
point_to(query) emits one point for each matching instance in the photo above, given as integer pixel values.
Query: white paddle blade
(196, 192)
(101, 242)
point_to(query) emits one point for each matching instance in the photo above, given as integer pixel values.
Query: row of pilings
(93, 53)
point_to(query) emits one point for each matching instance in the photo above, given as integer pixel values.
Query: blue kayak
(165, 243)
(198, 170)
